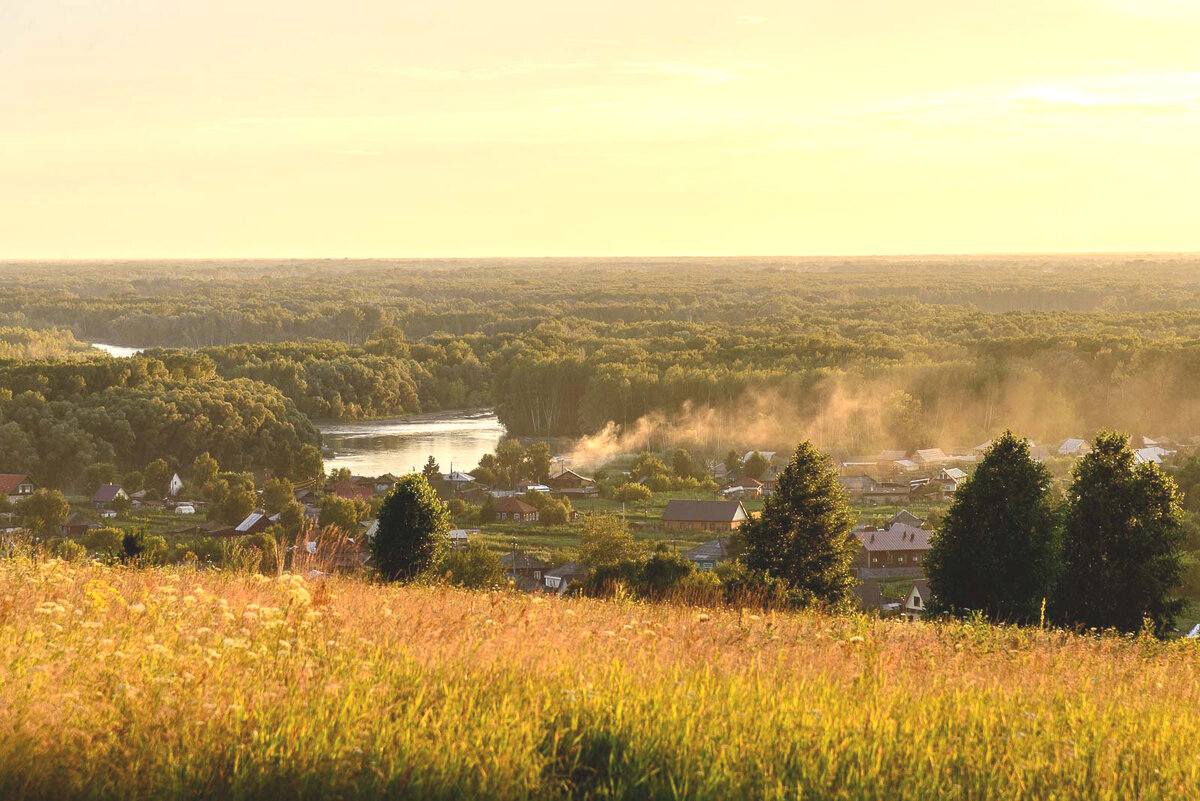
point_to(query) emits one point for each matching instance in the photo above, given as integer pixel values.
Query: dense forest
(857, 354)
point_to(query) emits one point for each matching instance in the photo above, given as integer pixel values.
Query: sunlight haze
(470, 128)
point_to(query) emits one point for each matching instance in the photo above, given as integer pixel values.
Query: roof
(78, 519)
(931, 454)
(568, 571)
(906, 517)
(1072, 445)
(513, 506)
(10, 481)
(107, 493)
(900, 537)
(252, 520)
(457, 476)
(956, 473)
(1149, 455)
(768, 455)
(705, 511)
(712, 551)
(921, 588)
(869, 595)
(907, 463)
(523, 561)
(567, 472)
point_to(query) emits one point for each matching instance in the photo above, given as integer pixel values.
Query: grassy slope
(135, 684)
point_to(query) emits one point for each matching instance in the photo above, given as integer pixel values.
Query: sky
(393, 128)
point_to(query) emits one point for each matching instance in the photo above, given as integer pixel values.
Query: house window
(900, 559)
(916, 558)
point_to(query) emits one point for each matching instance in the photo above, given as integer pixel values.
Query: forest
(856, 354)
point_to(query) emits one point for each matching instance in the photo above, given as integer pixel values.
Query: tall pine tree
(804, 533)
(998, 550)
(1122, 542)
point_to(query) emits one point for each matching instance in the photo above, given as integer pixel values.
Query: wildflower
(137, 609)
(702, 617)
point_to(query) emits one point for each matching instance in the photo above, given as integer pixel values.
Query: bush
(68, 550)
(105, 541)
(555, 513)
(474, 567)
(632, 493)
(658, 483)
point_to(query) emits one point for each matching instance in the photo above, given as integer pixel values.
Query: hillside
(120, 683)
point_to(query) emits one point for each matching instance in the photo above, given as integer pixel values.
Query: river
(118, 351)
(373, 447)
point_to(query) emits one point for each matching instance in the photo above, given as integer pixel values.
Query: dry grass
(121, 683)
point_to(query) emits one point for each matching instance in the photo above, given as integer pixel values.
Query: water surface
(118, 351)
(401, 445)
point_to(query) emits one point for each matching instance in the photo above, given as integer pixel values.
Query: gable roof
(513, 506)
(10, 481)
(523, 561)
(956, 473)
(568, 571)
(1072, 445)
(931, 454)
(712, 551)
(899, 537)
(107, 493)
(253, 519)
(568, 472)
(705, 511)
(906, 517)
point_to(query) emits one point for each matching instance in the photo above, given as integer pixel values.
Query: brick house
(515, 510)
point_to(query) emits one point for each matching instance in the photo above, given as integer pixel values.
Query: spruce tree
(1122, 542)
(412, 529)
(998, 550)
(803, 536)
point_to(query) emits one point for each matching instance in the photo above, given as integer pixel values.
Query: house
(461, 537)
(979, 450)
(768, 455)
(704, 515)
(950, 479)
(1152, 455)
(458, 477)
(532, 486)
(16, 486)
(887, 492)
(858, 485)
(1074, 447)
(870, 598)
(560, 579)
(930, 457)
(894, 552)
(907, 518)
(384, 483)
(351, 491)
(515, 510)
(254, 523)
(906, 466)
(1038, 453)
(175, 486)
(769, 480)
(77, 525)
(743, 488)
(568, 482)
(917, 600)
(525, 570)
(107, 495)
(710, 554)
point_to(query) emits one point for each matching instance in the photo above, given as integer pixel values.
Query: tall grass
(123, 683)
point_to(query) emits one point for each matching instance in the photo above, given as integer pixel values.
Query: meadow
(158, 683)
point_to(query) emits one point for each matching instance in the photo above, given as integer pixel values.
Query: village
(690, 507)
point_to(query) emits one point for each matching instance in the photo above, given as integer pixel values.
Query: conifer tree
(998, 550)
(412, 529)
(803, 536)
(1121, 548)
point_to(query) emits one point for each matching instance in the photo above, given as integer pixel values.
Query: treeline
(854, 354)
(58, 418)
(50, 343)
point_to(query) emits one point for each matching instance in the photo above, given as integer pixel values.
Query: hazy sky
(132, 128)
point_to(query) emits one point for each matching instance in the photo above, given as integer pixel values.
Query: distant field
(118, 683)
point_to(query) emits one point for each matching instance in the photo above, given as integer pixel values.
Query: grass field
(120, 683)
